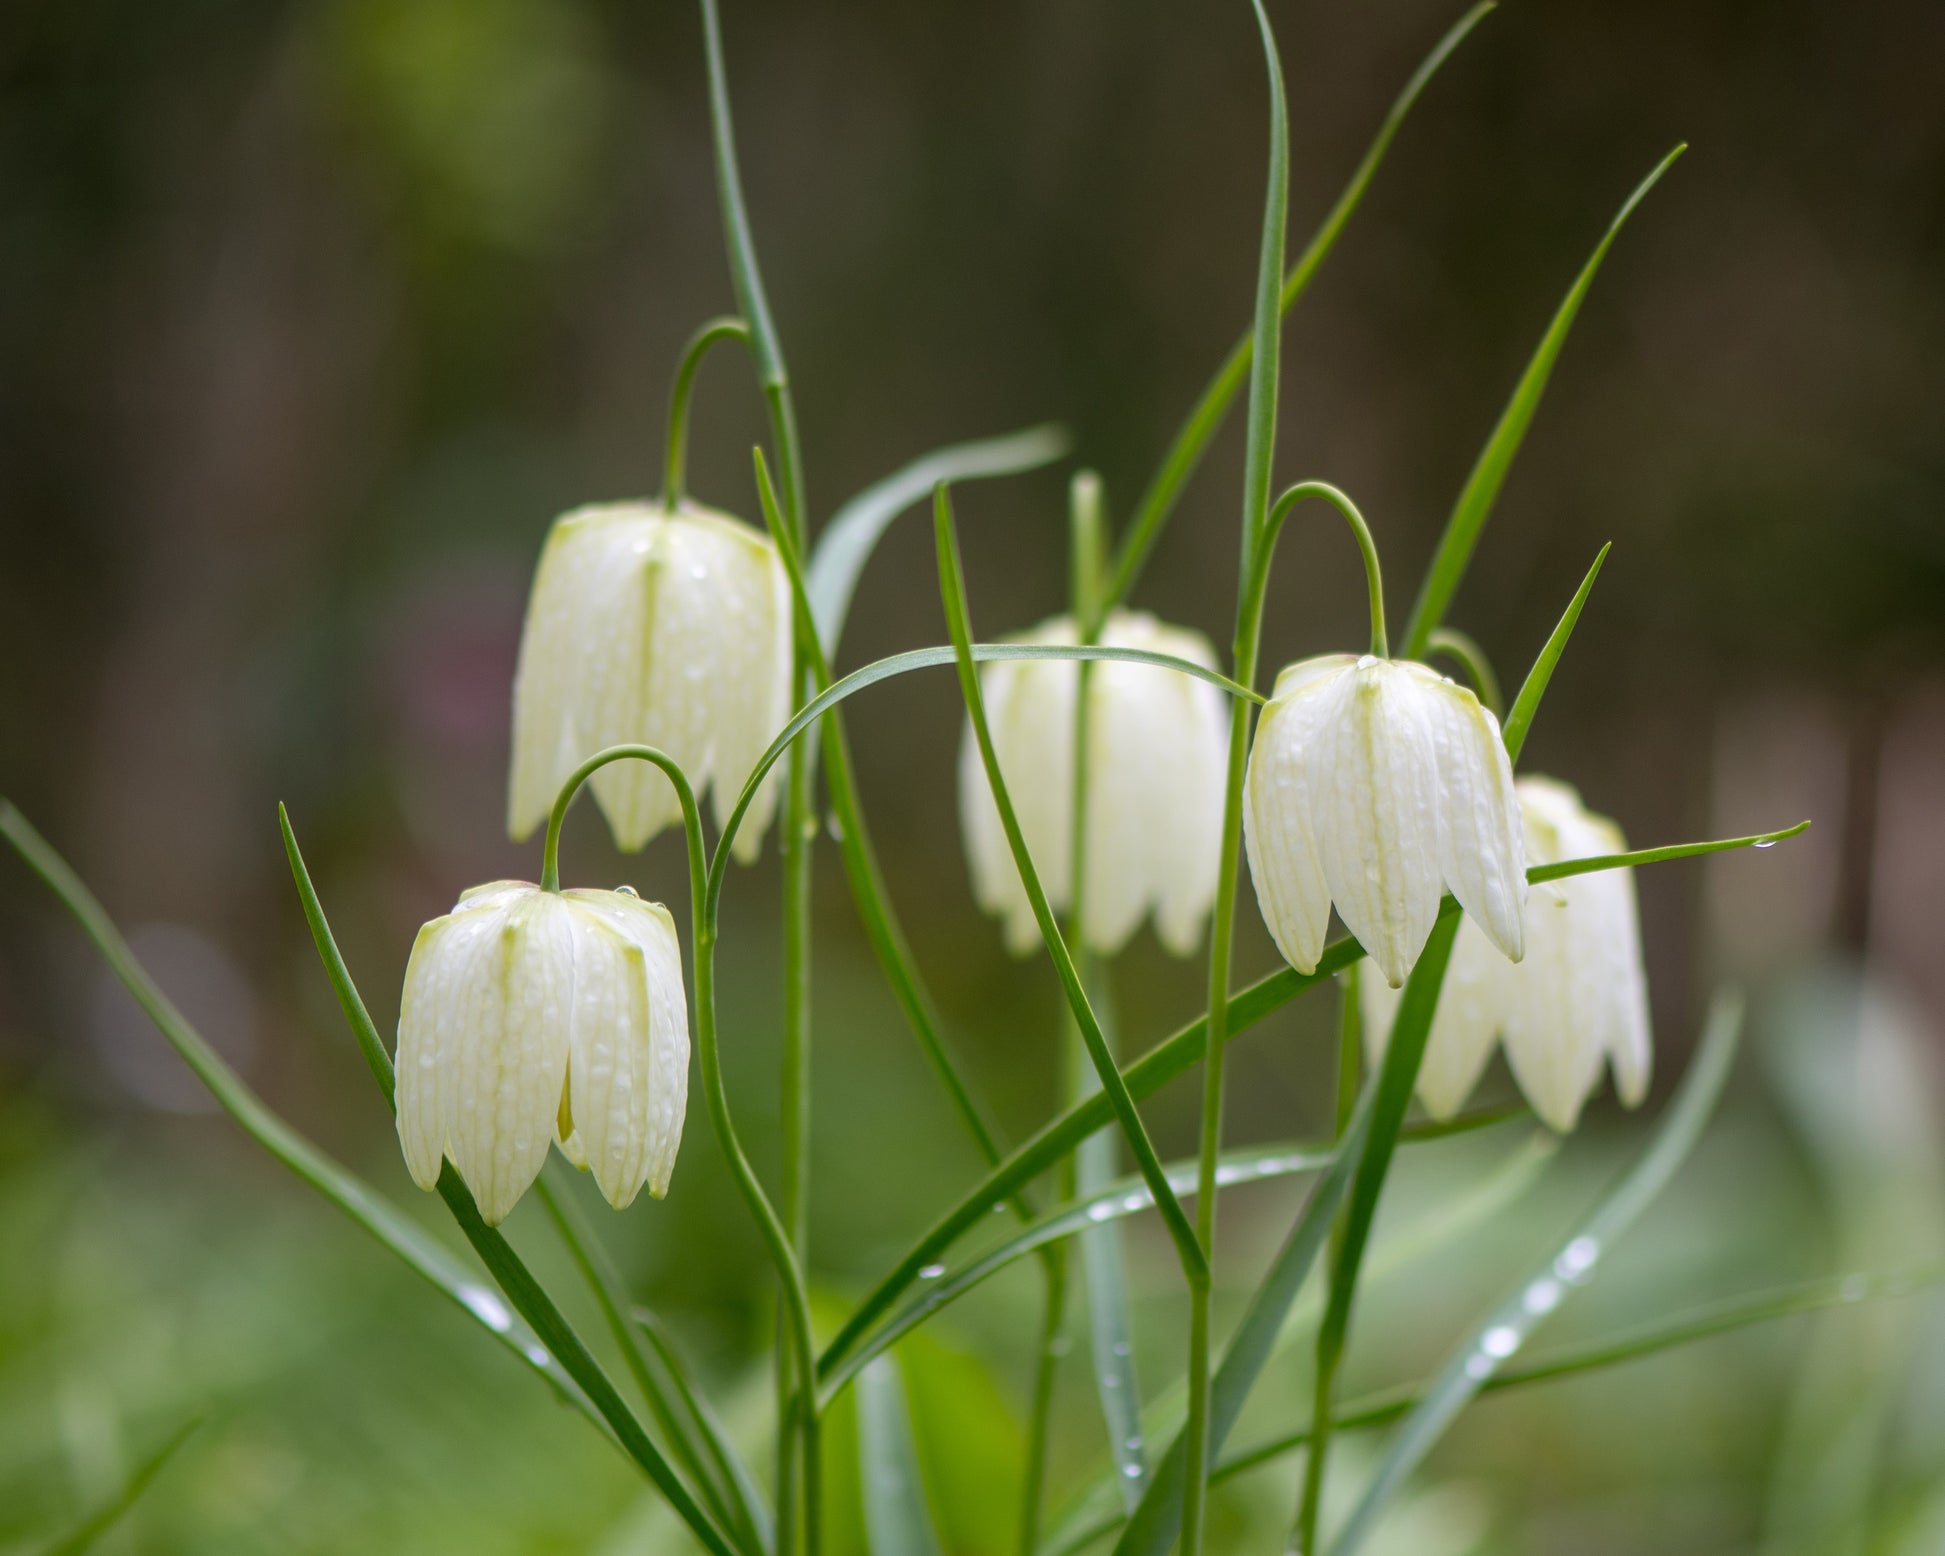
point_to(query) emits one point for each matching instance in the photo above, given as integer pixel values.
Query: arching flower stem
(1464, 651)
(675, 452)
(705, 896)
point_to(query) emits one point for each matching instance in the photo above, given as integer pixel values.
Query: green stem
(604, 1283)
(1360, 531)
(675, 453)
(1349, 1038)
(1052, 1348)
(705, 895)
(1464, 651)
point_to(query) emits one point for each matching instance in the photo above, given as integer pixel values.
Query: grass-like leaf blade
(1212, 406)
(844, 545)
(897, 1520)
(1508, 1327)
(1482, 486)
(1519, 718)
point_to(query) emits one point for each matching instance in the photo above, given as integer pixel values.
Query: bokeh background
(311, 317)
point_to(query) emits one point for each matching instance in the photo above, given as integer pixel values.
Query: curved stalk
(1464, 651)
(675, 452)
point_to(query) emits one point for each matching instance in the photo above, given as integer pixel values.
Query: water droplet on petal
(626, 891)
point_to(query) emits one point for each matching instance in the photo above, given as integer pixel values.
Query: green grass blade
(1163, 1063)
(845, 544)
(83, 1535)
(715, 1477)
(897, 1520)
(1356, 1171)
(1509, 1326)
(1554, 872)
(1438, 1228)
(1651, 1339)
(952, 591)
(558, 1343)
(1110, 1327)
(427, 1257)
(1210, 410)
(1476, 499)
(349, 1000)
(1519, 718)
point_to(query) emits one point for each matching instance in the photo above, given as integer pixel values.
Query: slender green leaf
(1105, 1206)
(83, 1535)
(846, 543)
(1186, 452)
(1110, 1326)
(1508, 1327)
(1358, 1163)
(706, 1455)
(1520, 719)
(1440, 1227)
(896, 1519)
(427, 1257)
(1470, 512)
(1639, 856)
(952, 591)
(1155, 1069)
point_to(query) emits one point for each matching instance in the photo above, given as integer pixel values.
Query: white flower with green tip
(1378, 784)
(669, 628)
(1157, 743)
(1578, 1001)
(530, 1016)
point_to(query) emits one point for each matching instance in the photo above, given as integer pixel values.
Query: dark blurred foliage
(311, 317)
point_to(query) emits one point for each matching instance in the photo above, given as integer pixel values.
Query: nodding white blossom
(1377, 784)
(1579, 998)
(658, 627)
(530, 1016)
(1157, 745)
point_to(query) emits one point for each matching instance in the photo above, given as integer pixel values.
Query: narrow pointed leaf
(1570, 1267)
(1357, 1171)
(1212, 408)
(896, 1519)
(845, 544)
(1476, 499)
(1519, 719)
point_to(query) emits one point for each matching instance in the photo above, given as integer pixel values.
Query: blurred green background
(311, 317)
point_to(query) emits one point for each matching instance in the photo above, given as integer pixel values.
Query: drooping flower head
(1579, 999)
(530, 1016)
(1156, 748)
(665, 627)
(1377, 784)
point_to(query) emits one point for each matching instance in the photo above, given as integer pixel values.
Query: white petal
(629, 1076)
(1480, 839)
(1030, 714)
(670, 630)
(1464, 1027)
(483, 1037)
(1373, 778)
(1280, 819)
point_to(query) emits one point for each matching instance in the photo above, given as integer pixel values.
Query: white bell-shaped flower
(658, 627)
(1579, 998)
(1157, 747)
(532, 1015)
(1377, 784)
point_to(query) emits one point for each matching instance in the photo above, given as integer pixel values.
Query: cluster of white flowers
(532, 1017)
